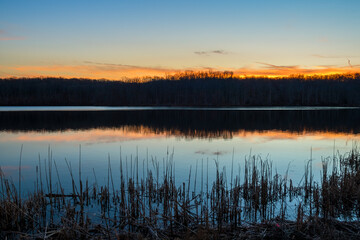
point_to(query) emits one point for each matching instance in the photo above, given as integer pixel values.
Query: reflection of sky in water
(279, 146)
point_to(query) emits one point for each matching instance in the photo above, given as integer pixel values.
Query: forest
(208, 89)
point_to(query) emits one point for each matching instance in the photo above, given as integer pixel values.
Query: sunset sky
(116, 39)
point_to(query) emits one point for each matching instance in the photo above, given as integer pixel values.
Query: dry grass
(253, 205)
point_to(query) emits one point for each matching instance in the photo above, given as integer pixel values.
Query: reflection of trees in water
(190, 133)
(199, 124)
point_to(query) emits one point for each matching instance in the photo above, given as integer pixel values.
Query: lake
(191, 137)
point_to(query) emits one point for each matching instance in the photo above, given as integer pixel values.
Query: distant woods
(211, 89)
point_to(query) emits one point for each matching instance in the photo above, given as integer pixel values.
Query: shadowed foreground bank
(254, 204)
(187, 89)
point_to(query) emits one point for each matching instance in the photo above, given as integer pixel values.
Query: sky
(125, 39)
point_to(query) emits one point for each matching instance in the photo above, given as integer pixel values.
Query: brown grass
(152, 206)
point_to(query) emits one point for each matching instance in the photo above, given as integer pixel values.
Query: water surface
(287, 136)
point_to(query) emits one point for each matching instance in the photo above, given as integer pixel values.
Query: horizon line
(227, 74)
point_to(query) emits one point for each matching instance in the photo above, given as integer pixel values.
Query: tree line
(208, 89)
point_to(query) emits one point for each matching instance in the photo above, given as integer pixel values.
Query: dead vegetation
(252, 204)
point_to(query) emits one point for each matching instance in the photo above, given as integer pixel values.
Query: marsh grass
(255, 203)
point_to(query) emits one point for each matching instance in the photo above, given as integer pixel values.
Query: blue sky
(119, 38)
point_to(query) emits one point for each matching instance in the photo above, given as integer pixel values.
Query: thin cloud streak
(11, 38)
(208, 53)
(112, 64)
(91, 70)
(332, 56)
(323, 39)
(5, 37)
(295, 70)
(272, 66)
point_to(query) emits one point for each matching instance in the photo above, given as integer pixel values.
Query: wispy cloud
(272, 66)
(125, 66)
(276, 70)
(112, 64)
(332, 56)
(88, 69)
(325, 66)
(208, 53)
(323, 39)
(4, 36)
(11, 38)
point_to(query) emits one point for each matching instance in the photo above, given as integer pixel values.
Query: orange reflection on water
(7, 170)
(93, 135)
(287, 135)
(129, 133)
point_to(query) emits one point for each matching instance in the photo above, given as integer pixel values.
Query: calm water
(197, 137)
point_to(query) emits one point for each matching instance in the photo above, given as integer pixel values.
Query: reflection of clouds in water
(320, 148)
(262, 137)
(354, 142)
(268, 136)
(202, 152)
(11, 168)
(90, 137)
(208, 152)
(118, 139)
(335, 148)
(7, 170)
(218, 153)
(320, 164)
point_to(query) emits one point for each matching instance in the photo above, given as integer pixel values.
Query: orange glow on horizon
(124, 72)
